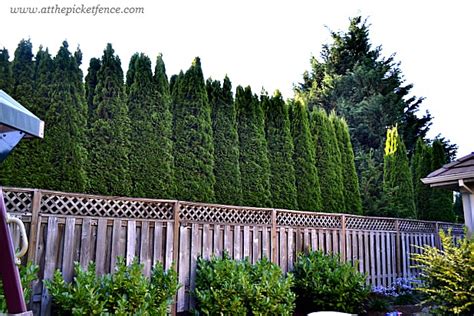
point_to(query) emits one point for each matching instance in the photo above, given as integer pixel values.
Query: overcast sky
(269, 43)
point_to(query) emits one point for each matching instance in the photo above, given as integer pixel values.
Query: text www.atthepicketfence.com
(77, 10)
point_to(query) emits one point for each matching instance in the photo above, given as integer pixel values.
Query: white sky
(269, 43)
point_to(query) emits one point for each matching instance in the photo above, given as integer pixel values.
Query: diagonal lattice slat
(17, 202)
(416, 226)
(102, 207)
(227, 215)
(456, 229)
(367, 223)
(308, 220)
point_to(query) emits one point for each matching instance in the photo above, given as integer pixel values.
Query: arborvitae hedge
(397, 180)
(150, 154)
(91, 83)
(254, 164)
(228, 187)
(6, 77)
(306, 173)
(351, 191)
(280, 152)
(193, 147)
(109, 137)
(328, 162)
(421, 167)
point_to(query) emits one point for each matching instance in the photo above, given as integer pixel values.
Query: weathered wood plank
(207, 241)
(228, 234)
(335, 242)
(372, 258)
(145, 256)
(68, 249)
(291, 248)
(314, 239)
(34, 226)
(183, 268)
(131, 240)
(170, 250)
(265, 243)
(85, 242)
(237, 243)
(116, 243)
(158, 243)
(101, 246)
(283, 250)
(255, 245)
(360, 255)
(246, 244)
(52, 250)
(377, 251)
(384, 256)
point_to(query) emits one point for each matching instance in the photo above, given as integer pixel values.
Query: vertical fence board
(158, 243)
(68, 250)
(246, 245)
(85, 242)
(195, 253)
(116, 242)
(145, 256)
(183, 268)
(170, 250)
(255, 245)
(207, 241)
(52, 249)
(372, 258)
(131, 240)
(101, 246)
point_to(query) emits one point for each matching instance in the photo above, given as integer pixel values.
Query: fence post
(397, 249)
(343, 238)
(176, 209)
(436, 236)
(274, 236)
(34, 225)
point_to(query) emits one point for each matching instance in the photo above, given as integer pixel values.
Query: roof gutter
(453, 177)
(464, 186)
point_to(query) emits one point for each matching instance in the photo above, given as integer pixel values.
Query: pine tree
(6, 77)
(228, 187)
(150, 157)
(306, 173)
(109, 137)
(66, 118)
(328, 162)
(441, 201)
(421, 167)
(91, 83)
(397, 180)
(351, 191)
(280, 152)
(254, 164)
(193, 147)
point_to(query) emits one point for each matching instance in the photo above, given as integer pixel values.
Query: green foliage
(351, 191)
(280, 152)
(421, 167)
(193, 146)
(90, 85)
(229, 287)
(125, 292)
(323, 282)
(109, 136)
(6, 76)
(254, 163)
(448, 275)
(28, 274)
(304, 158)
(228, 187)
(328, 162)
(397, 179)
(150, 155)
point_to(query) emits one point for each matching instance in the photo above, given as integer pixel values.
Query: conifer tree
(328, 162)
(397, 180)
(254, 164)
(441, 200)
(306, 173)
(280, 152)
(109, 138)
(150, 157)
(193, 147)
(351, 191)
(421, 167)
(66, 118)
(228, 187)
(6, 78)
(91, 83)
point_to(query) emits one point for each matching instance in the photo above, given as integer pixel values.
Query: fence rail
(65, 228)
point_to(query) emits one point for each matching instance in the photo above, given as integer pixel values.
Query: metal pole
(8, 270)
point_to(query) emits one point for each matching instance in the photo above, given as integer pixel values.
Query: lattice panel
(364, 223)
(308, 220)
(82, 206)
(17, 202)
(456, 229)
(215, 214)
(416, 226)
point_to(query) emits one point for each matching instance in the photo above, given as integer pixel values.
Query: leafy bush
(400, 292)
(323, 282)
(126, 292)
(229, 287)
(448, 275)
(28, 274)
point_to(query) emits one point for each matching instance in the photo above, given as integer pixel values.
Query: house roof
(449, 175)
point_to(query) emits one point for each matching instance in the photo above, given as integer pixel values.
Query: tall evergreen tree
(193, 147)
(150, 157)
(66, 118)
(254, 164)
(398, 185)
(351, 191)
(109, 137)
(441, 200)
(421, 167)
(228, 187)
(306, 173)
(328, 162)
(280, 152)
(90, 85)
(6, 77)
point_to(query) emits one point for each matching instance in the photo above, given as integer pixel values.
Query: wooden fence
(67, 227)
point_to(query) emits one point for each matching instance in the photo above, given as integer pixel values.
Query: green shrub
(323, 282)
(125, 292)
(229, 287)
(28, 274)
(448, 276)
